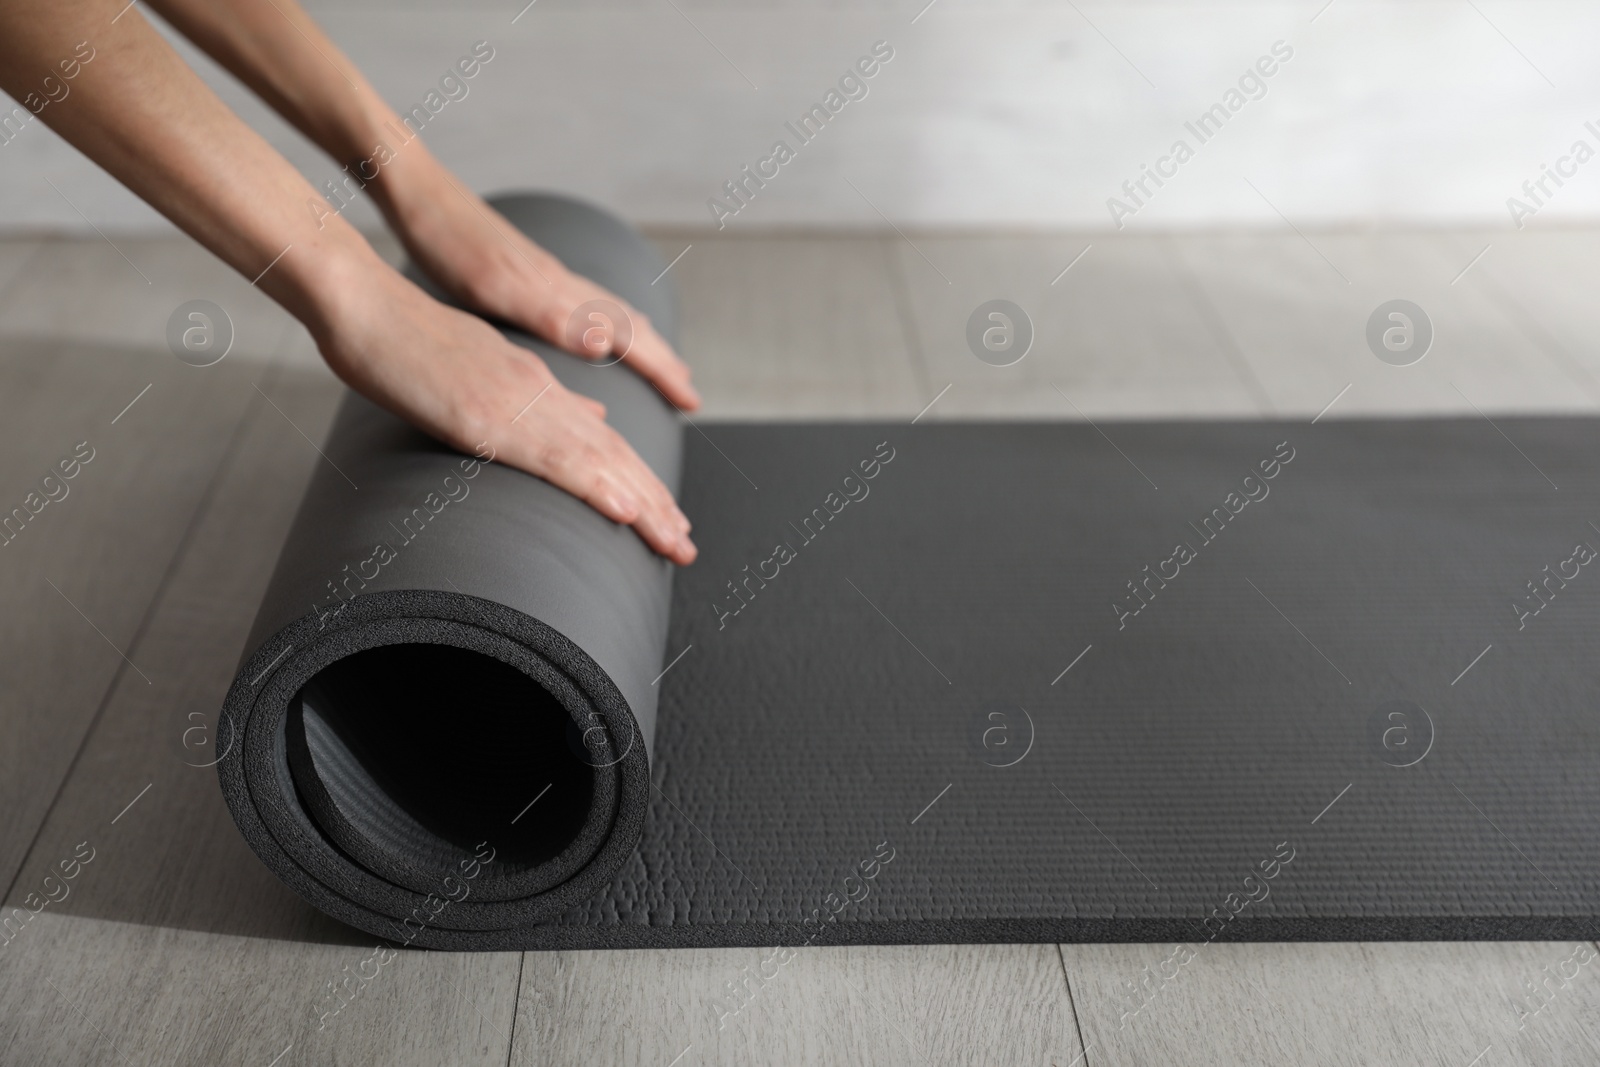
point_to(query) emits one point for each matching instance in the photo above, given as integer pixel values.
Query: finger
(662, 535)
(632, 338)
(583, 471)
(589, 322)
(661, 526)
(653, 358)
(627, 463)
(657, 509)
(607, 470)
(663, 529)
(542, 401)
(660, 522)
(572, 447)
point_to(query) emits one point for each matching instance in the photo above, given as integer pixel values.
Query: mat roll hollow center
(425, 751)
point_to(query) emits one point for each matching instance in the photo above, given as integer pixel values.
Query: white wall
(990, 114)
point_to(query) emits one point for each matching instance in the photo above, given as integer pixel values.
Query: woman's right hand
(454, 376)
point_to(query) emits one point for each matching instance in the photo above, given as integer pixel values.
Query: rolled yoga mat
(440, 632)
(935, 683)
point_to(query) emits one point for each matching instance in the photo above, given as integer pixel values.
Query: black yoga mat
(936, 683)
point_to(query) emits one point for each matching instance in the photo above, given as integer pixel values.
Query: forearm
(276, 49)
(138, 111)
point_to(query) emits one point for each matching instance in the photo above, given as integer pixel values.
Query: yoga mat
(439, 632)
(939, 683)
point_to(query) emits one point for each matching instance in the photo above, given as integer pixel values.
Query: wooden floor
(126, 603)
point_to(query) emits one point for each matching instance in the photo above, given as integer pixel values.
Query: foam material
(940, 683)
(397, 703)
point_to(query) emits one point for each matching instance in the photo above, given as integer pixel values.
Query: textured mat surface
(1176, 782)
(940, 683)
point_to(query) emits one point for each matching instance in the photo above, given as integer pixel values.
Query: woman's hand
(147, 118)
(457, 378)
(491, 267)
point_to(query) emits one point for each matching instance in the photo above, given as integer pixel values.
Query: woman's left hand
(483, 261)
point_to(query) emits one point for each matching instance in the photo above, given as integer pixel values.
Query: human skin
(138, 111)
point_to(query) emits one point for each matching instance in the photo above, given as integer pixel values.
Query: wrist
(388, 160)
(461, 242)
(327, 281)
(382, 158)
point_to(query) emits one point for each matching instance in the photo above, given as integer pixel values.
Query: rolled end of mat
(434, 763)
(440, 732)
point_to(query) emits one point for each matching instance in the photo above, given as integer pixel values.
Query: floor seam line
(1072, 1003)
(516, 1008)
(1527, 324)
(24, 271)
(1218, 328)
(179, 553)
(900, 287)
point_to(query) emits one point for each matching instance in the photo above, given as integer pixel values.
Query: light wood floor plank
(86, 291)
(934, 1004)
(15, 256)
(174, 911)
(77, 577)
(1303, 325)
(1543, 280)
(83, 990)
(1372, 1005)
(1120, 334)
(793, 327)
